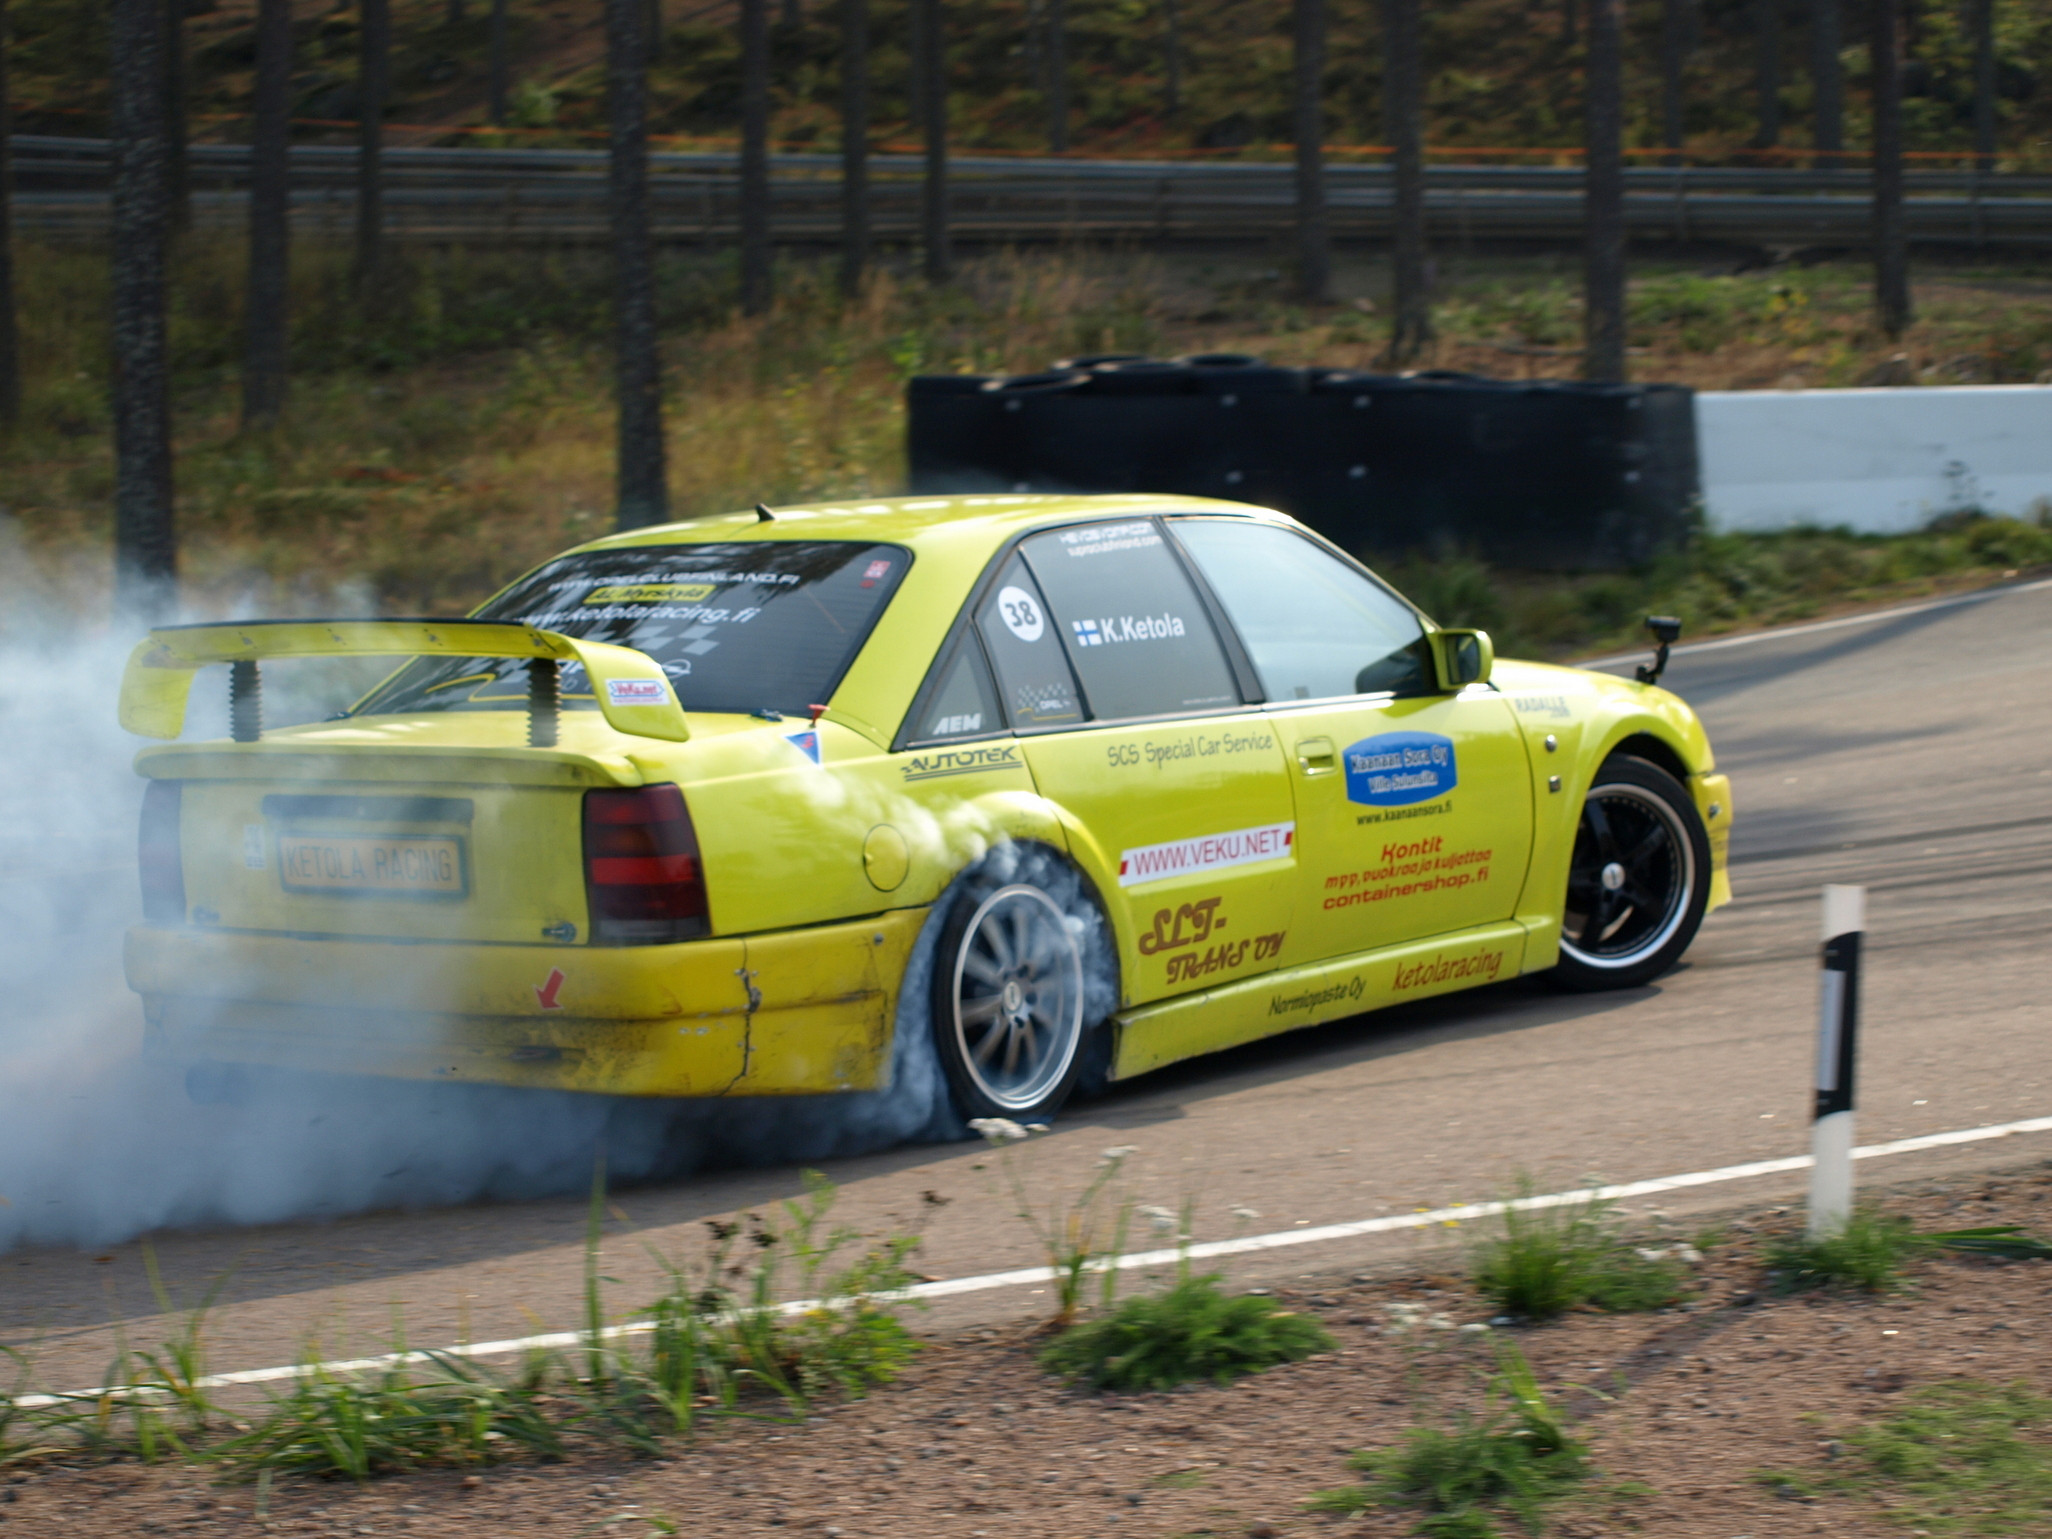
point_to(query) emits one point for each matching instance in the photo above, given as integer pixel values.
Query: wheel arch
(1654, 750)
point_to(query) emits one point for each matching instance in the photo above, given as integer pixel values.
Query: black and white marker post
(1838, 1019)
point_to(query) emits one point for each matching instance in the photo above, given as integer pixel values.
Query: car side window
(1314, 627)
(964, 704)
(1034, 682)
(1135, 630)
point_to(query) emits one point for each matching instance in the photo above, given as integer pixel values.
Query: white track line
(1980, 596)
(1283, 1240)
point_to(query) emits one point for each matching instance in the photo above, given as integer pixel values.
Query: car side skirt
(1277, 1002)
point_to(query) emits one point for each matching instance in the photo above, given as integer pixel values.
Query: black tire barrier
(1544, 475)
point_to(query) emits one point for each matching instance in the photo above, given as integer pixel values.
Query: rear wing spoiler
(631, 687)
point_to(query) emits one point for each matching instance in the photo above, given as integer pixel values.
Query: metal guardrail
(435, 194)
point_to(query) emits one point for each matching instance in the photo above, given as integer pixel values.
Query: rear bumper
(791, 1013)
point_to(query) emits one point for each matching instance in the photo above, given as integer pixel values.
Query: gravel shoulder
(1682, 1409)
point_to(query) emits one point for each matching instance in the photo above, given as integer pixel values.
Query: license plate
(390, 865)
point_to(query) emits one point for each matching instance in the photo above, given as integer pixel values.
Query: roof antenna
(763, 515)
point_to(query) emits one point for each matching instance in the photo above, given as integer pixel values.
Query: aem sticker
(1394, 769)
(1021, 614)
(636, 691)
(651, 593)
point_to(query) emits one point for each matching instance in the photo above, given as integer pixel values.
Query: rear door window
(738, 626)
(1033, 676)
(1131, 621)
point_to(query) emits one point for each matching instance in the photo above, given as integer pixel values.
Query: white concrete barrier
(1880, 461)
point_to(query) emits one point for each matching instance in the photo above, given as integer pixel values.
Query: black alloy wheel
(1638, 880)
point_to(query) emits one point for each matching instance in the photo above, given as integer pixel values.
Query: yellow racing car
(1066, 787)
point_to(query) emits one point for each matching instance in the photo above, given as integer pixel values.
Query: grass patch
(447, 436)
(1868, 1255)
(1514, 1459)
(1721, 582)
(1543, 1262)
(1964, 1457)
(1190, 1332)
(723, 1339)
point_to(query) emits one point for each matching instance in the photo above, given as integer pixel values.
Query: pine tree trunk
(1767, 72)
(794, 14)
(655, 31)
(1570, 32)
(177, 168)
(270, 219)
(497, 69)
(455, 13)
(933, 93)
(1057, 77)
(10, 343)
(1411, 299)
(1891, 242)
(373, 72)
(145, 538)
(1172, 73)
(643, 486)
(1827, 80)
(1603, 303)
(854, 145)
(756, 277)
(1674, 55)
(1983, 24)
(1314, 236)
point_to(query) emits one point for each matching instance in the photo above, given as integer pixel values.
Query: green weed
(1077, 1235)
(1189, 1332)
(361, 1427)
(1964, 1457)
(1516, 1457)
(1545, 1261)
(1867, 1254)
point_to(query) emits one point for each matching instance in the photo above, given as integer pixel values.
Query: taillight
(163, 872)
(641, 868)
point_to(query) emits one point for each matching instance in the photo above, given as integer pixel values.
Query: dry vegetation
(458, 429)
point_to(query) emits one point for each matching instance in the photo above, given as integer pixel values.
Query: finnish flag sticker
(1087, 633)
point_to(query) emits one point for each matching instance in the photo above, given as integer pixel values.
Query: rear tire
(1020, 986)
(1638, 879)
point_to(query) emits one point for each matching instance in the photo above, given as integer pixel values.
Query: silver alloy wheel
(1629, 879)
(1018, 996)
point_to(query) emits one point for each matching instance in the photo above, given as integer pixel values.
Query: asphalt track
(1906, 752)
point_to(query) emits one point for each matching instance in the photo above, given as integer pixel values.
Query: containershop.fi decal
(1395, 769)
(1180, 857)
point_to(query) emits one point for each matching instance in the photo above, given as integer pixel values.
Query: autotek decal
(962, 761)
(1113, 630)
(1395, 769)
(1212, 852)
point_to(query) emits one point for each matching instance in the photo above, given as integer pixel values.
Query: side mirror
(1666, 631)
(1462, 658)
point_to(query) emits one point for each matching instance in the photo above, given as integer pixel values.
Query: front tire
(1638, 880)
(1017, 986)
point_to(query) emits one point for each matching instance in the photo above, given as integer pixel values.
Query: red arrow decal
(545, 993)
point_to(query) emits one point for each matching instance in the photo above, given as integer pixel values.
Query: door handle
(1317, 756)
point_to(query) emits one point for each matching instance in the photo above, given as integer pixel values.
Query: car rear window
(738, 627)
